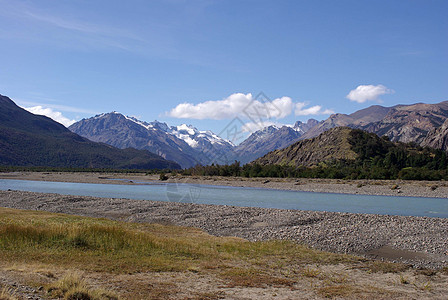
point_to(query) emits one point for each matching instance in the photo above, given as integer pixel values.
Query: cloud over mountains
(52, 114)
(246, 106)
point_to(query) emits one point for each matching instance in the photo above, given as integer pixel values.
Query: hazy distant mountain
(183, 144)
(359, 118)
(270, 138)
(122, 132)
(32, 140)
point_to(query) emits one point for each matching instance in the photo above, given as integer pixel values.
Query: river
(243, 197)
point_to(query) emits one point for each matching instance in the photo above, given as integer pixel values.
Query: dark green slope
(32, 140)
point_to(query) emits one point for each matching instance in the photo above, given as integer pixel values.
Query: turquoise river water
(242, 196)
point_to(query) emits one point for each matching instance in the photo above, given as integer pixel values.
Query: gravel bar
(419, 241)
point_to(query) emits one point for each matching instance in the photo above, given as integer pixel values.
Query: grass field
(71, 257)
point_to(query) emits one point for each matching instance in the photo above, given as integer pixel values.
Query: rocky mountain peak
(438, 138)
(304, 127)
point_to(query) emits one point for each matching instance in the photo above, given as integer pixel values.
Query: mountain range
(424, 124)
(401, 123)
(270, 138)
(113, 140)
(184, 144)
(33, 140)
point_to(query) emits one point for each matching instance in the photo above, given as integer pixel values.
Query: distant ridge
(402, 123)
(33, 140)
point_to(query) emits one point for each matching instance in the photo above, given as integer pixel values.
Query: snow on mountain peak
(141, 123)
(99, 116)
(186, 128)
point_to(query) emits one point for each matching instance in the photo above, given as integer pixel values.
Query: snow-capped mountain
(184, 144)
(198, 139)
(204, 141)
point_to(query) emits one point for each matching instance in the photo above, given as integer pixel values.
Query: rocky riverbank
(420, 241)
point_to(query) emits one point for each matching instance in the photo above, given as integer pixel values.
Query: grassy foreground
(76, 257)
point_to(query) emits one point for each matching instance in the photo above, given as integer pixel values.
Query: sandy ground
(437, 189)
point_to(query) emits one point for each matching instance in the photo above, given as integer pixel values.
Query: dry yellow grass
(150, 261)
(7, 293)
(73, 286)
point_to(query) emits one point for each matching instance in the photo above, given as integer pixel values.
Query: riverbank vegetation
(63, 255)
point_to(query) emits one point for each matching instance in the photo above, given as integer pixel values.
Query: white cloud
(55, 115)
(365, 93)
(25, 103)
(300, 110)
(238, 104)
(245, 106)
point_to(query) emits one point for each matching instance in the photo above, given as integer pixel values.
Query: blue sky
(202, 62)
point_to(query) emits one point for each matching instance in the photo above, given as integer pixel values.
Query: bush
(163, 177)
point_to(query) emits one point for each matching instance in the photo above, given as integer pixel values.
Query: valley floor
(419, 242)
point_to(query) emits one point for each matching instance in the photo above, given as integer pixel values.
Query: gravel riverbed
(419, 241)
